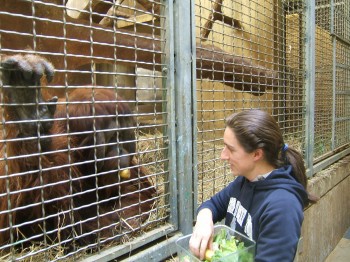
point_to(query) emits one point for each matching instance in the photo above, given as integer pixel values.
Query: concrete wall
(326, 221)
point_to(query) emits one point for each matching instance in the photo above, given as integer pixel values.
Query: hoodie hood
(282, 179)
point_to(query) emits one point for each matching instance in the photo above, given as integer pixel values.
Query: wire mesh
(331, 117)
(271, 36)
(84, 162)
(342, 112)
(324, 80)
(342, 62)
(261, 35)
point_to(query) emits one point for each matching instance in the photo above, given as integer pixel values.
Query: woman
(267, 199)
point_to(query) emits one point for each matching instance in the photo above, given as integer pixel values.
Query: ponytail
(294, 158)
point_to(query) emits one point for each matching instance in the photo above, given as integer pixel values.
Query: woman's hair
(257, 129)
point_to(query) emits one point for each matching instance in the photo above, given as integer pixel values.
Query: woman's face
(241, 162)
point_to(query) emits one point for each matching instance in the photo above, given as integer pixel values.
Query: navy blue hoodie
(269, 211)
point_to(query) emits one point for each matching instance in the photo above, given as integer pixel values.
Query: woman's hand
(202, 237)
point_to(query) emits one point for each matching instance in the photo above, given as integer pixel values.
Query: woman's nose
(224, 155)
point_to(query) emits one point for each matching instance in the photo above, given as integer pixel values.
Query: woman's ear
(258, 154)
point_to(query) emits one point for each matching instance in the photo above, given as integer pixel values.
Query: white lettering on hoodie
(239, 214)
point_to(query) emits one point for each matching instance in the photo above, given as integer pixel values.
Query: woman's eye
(230, 149)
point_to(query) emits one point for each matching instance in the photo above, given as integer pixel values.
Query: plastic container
(185, 255)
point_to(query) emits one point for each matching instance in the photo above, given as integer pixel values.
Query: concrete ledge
(341, 253)
(327, 179)
(326, 221)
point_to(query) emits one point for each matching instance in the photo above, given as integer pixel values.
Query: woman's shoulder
(282, 197)
(283, 193)
(281, 205)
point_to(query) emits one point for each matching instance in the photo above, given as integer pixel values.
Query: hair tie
(285, 147)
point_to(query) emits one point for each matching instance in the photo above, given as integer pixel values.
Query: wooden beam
(216, 14)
